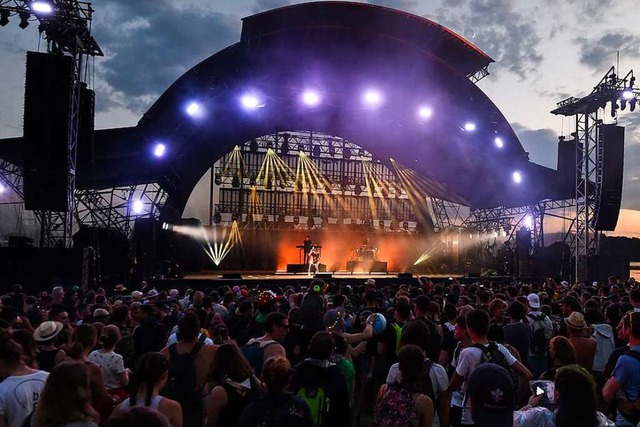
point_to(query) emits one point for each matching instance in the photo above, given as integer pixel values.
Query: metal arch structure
(582, 236)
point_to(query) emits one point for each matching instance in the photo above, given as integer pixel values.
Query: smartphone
(538, 391)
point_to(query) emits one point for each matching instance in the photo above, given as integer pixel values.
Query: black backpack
(492, 354)
(541, 335)
(182, 385)
(428, 385)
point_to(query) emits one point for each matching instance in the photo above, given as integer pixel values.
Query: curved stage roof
(339, 49)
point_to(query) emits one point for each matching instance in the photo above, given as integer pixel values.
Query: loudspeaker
(323, 276)
(405, 275)
(46, 128)
(612, 146)
(232, 276)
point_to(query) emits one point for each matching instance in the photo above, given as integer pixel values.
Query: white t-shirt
(173, 338)
(111, 365)
(19, 396)
(469, 360)
(439, 381)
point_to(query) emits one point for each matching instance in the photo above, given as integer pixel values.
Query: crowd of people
(425, 353)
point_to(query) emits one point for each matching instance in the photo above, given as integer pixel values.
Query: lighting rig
(66, 26)
(618, 93)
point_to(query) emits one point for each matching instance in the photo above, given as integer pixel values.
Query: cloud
(264, 5)
(542, 144)
(631, 183)
(508, 36)
(599, 53)
(148, 45)
(406, 5)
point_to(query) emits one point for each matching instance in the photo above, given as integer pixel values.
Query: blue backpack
(254, 353)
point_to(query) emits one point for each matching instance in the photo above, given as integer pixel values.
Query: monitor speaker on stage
(612, 146)
(232, 276)
(46, 129)
(323, 276)
(405, 276)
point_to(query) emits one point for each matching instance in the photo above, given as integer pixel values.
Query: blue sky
(543, 54)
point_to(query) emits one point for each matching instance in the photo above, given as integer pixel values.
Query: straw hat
(576, 321)
(47, 331)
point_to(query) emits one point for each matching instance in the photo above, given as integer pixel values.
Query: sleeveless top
(155, 403)
(46, 359)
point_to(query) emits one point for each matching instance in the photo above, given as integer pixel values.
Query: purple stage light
(528, 221)
(250, 102)
(517, 177)
(2, 188)
(627, 94)
(469, 126)
(41, 7)
(137, 206)
(311, 98)
(159, 150)
(499, 142)
(425, 112)
(194, 109)
(372, 98)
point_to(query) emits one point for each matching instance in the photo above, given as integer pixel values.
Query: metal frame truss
(479, 75)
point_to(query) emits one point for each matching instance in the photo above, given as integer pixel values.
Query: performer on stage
(308, 244)
(314, 259)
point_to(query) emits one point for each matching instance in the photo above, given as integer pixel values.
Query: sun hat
(47, 331)
(576, 321)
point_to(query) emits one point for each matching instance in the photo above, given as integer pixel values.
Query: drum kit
(366, 253)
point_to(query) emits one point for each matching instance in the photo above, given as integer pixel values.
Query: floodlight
(2, 189)
(24, 20)
(311, 98)
(528, 221)
(499, 142)
(250, 102)
(41, 7)
(627, 94)
(424, 112)
(137, 206)
(517, 177)
(194, 109)
(469, 126)
(372, 98)
(4, 17)
(159, 150)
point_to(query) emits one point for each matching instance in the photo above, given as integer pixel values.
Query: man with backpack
(541, 334)
(190, 362)
(321, 384)
(482, 351)
(259, 350)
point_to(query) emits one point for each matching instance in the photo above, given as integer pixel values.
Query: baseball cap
(100, 312)
(534, 300)
(492, 395)
(370, 282)
(136, 294)
(152, 293)
(173, 293)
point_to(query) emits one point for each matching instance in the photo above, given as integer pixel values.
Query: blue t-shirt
(627, 372)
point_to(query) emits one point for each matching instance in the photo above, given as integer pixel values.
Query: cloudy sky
(543, 54)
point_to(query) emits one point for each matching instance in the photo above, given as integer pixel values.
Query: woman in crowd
(406, 403)
(151, 377)
(48, 354)
(238, 386)
(114, 374)
(279, 407)
(29, 349)
(562, 354)
(66, 399)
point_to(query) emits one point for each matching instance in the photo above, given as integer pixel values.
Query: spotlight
(296, 220)
(311, 222)
(159, 150)
(632, 104)
(623, 104)
(4, 17)
(217, 218)
(469, 126)
(253, 146)
(235, 181)
(372, 98)
(499, 142)
(311, 98)
(346, 153)
(2, 189)
(425, 112)
(218, 179)
(194, 109)
(41, 7)
(137, 206)
(517, 177)
(528, 221)
(405, 225)
(24, 20)
(316, 151)
(627, 94)
(250, 102)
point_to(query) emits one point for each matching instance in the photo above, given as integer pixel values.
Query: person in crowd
(569, 305)
(21, 385)
(517, 333)
(541, 334)
(579, 335)
(139, 416)
(66, 398)
(492, 395)
(406, 403)
(150, 378)
(28, 344)
(114, 374)
(258, 350)
(120, 318)
(150, 335)
(48, 354)
(237, 389)
(562, 353)
(279, 407)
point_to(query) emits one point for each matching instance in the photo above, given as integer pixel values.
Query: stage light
(194, 109)
(528, 221)
(2, 189)
(499, 142)
(218, 179)
(425, 112)
(159, 150)
(627, 94)
(137, 206)
(372, 98)
(217, 218)
(41, 7)
(632, 104)
(4, 17)
(623, 104)
(469, 126)
(24, 20)
(250, 102)
(311, 98)
(517, 177)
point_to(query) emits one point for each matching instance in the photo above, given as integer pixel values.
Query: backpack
(318, 403)
(396, 408)
(630, 409)
(182, 385)
(541, 335)
(201, 338)
(492, 354)
(428, 365)
(253, 351)
(398, 330)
